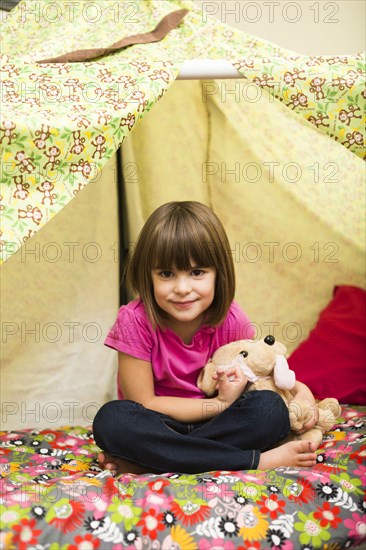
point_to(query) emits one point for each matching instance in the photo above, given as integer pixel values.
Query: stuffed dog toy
(265, 365)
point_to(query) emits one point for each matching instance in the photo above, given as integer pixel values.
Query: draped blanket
(62, 121)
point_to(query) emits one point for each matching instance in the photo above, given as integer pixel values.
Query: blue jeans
(232, 440)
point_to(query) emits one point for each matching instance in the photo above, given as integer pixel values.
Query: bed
(55, 496)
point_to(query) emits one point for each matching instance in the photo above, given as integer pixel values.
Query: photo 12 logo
(51, 411)
(72, 11)
(271, 12)
(269, 171)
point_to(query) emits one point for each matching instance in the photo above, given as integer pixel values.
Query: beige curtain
(60, 294)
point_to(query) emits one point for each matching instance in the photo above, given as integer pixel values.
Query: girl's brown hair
(176, 235)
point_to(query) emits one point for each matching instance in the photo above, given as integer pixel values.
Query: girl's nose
(183, 285)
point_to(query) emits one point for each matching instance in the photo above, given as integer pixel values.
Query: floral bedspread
(55, 497)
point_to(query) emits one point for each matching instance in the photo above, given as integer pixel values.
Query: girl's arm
(137, 384)
(301, 392)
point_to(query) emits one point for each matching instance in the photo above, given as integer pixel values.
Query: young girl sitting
(182, 270)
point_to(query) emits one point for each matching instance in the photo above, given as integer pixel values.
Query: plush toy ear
(284, 378)
(245, 368)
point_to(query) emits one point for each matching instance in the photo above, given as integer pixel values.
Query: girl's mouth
(183, 305)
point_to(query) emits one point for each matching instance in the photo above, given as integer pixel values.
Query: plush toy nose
(270, 340)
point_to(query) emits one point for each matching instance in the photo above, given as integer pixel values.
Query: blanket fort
(61, 122)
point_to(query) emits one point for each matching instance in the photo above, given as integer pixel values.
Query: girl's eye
(166, 274)
(197, 272)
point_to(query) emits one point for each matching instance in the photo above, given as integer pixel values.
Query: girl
(182, 270)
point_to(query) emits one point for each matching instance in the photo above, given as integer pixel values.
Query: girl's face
(184, 295)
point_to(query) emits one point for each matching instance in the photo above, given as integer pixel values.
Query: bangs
(182, 243)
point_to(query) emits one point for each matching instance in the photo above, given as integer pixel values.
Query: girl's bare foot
(118, 466)
(294, 453)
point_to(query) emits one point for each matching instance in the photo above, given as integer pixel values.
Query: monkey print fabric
(61, 122)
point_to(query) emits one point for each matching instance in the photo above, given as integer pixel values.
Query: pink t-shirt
(175, 365)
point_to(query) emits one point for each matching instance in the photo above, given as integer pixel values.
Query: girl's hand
(230, 383)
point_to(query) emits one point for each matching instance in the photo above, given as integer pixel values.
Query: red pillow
(332, 361)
